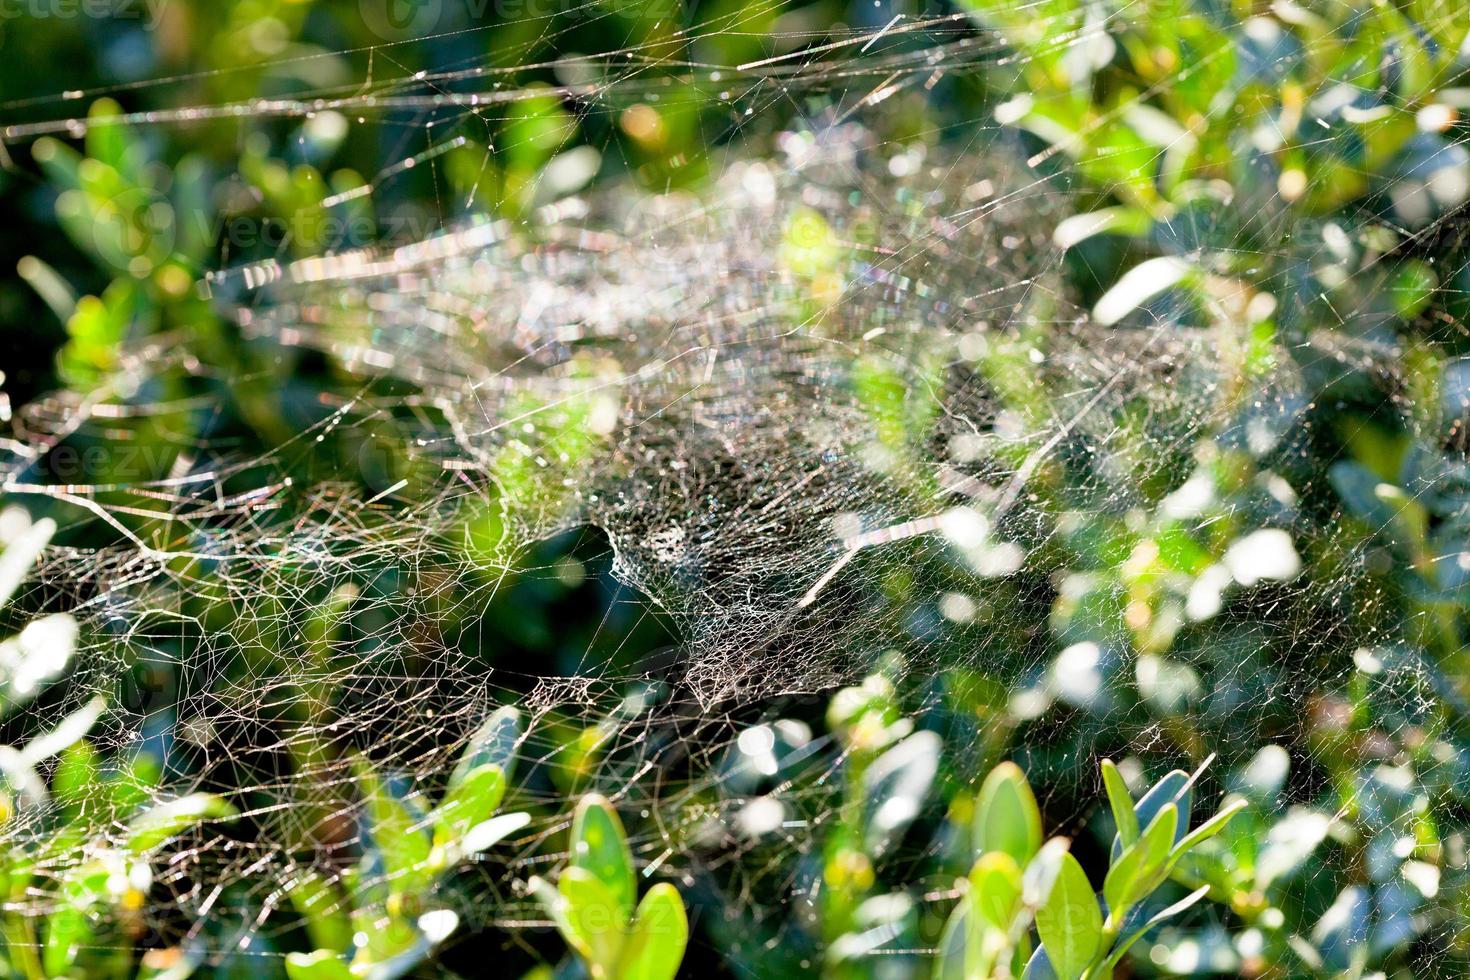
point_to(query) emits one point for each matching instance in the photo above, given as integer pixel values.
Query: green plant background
(1292, 171)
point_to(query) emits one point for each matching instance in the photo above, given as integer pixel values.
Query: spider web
(841, 410)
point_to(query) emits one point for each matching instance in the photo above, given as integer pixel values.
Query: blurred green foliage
(1285, 171)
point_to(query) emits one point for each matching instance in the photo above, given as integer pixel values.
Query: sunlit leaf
(1140, 868)
(600, 847)
(1006, 816)
(593, 914)
(493, 743)
(660, 931)
(1121, 802)
(471, 801)
(1070, 922)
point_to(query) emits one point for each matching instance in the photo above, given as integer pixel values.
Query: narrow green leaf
(109, 140)
(59, 162)
(600, 847)
(1070, 922)
(1121, 802)
(493, 743)
(660, 932)
(1159, 836)
(1122, 878)
(1209, 828)
(156, 825)
(1006, 816)
(395, 832)
(483, 836)
(471, 801)
(1140, 868)
(48, 284)
(1172, 788)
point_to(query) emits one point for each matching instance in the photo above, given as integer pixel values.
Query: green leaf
(1210, 827)
(1412, 288)
(978, 929)
(600, 847)
(1041, 873)
(1121, 802)
(59, 162)
(1172, 788)
(156, 825)
(77, 783)
(1070, 922)
(594, 914)
(323, 910)
(660, 932)
(995, 889)
(1141, 866)
(556, 907)
(396, 835)
(108, 139)
(957, 956)
(483, 836)
(493, 743)
(323, 964)
(68, 931)
(471, 801)
(1006, 816)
